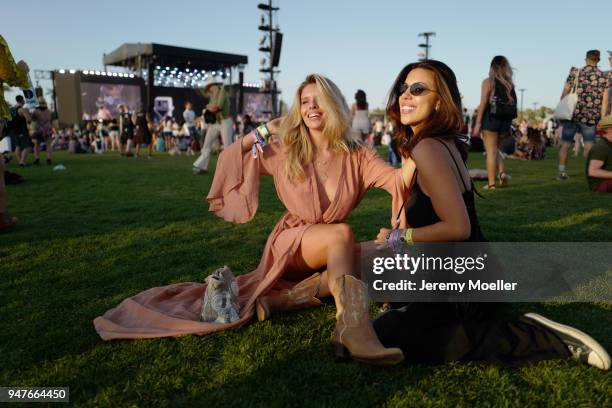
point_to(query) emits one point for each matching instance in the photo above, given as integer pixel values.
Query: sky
(357, 44)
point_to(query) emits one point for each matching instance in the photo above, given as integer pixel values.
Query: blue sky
(358, 44)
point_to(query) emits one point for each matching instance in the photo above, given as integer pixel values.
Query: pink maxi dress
(174, 310)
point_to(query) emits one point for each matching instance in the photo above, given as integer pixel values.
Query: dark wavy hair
(501, 72)
(360, 97)
(445, 123)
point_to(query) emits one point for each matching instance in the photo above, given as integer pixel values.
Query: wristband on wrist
(263, 132)
(406, 236)
(258, 142)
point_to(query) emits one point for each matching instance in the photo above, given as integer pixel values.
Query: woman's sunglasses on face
(415, 89)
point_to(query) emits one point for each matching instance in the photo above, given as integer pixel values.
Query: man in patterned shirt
(591, 84)
(606, 106)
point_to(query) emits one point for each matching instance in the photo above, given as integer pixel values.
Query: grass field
(109, 227)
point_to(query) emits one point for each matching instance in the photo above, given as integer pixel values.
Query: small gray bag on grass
(220, 303)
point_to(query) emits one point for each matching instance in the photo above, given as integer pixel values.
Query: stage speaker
(68, 95)
(276, 48)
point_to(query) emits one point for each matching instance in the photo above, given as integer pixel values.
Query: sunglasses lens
(417, 89)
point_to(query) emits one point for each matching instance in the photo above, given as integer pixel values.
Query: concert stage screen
(101, 100)
(258, 106)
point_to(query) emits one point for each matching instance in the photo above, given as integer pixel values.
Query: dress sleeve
(375, 172)
(234, 194)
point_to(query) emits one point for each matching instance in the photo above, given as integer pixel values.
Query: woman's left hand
(381, 238)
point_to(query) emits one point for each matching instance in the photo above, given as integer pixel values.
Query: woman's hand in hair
(274, 125)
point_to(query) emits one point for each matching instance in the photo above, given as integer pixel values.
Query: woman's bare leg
(324, 286)
(490, 142)
(331, 245)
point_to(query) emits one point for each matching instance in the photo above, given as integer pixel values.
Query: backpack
(9, 125)
(500, 106)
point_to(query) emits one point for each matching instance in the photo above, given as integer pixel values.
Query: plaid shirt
(592, 83)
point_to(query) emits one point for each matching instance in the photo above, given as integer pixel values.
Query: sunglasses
(416, 89)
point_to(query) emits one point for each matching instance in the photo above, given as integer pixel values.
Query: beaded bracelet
(399, 236)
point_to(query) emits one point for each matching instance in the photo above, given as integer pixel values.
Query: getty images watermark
(489, 272)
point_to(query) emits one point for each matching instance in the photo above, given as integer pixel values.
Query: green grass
(109, 227)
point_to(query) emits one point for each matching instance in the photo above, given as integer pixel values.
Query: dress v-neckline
(333, 200)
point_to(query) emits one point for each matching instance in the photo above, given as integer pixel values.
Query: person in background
(498, 87)
(126, 131)
(160, 139)
(392, 152)
(591, 84)
(113, 133)
(142, 121)
(378, 129)
(359, 115)
(18, 128)
(220, 122)
(247, 125)
(189, 117)
(606, 105)
(599, 160)
(466, 122)
(167, 132)
(42, 129)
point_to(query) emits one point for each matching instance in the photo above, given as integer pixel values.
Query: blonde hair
(295, 134)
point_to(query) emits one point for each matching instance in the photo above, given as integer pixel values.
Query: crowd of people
(126, 134)
(493, 127)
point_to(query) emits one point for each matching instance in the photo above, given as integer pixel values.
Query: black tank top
(141, 122)
(19, 125)
(420, 211)
(126, 118)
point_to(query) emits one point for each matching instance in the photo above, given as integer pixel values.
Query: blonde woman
(495, 113)
(320, 174)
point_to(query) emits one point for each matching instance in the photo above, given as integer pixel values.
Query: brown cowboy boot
(301, 296)
(354, 335)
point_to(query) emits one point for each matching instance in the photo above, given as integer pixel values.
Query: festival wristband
(264, 132)
(258, 143)
(406, 237)
(392, 239)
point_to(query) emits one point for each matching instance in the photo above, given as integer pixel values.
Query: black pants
(439, 332)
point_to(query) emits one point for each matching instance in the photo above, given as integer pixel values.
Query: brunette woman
(497, 90)
(425, 104)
